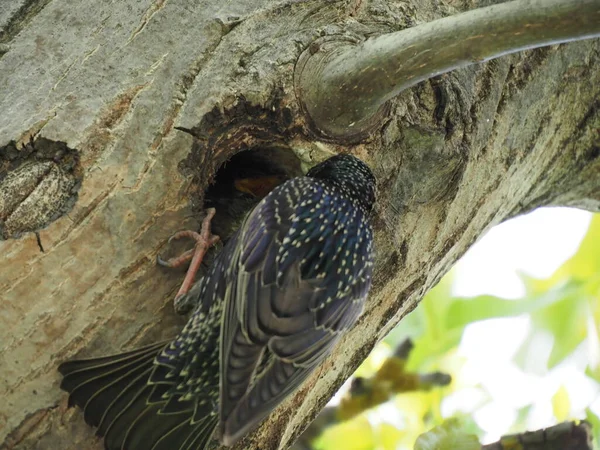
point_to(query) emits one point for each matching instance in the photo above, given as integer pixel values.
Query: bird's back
(304, 270)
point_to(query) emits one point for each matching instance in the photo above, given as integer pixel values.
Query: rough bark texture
(454, 156)
(355, 78)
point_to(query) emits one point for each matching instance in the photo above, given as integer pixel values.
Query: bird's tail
(116, 396)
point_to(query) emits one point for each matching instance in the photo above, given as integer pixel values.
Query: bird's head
(351, 175)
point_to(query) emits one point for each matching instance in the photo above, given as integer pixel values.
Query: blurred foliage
(565, 306)
(561, 405)
(449, 435)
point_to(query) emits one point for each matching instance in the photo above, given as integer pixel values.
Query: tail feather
(101, 405)
(117, 395)
(118, 429)
(201, 436)
(189, 436)
(79, 370)
(144, 431)
(173, 438)
(135, 403)
(99, 381)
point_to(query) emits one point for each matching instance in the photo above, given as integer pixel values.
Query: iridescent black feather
(291, 280)
(303, 273)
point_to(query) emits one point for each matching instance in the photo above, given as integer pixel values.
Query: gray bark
(453, 156)
(343, 84)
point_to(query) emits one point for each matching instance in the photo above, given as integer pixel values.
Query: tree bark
(453, 156)
(343, 84)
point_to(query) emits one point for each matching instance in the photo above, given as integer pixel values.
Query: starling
(277, 298)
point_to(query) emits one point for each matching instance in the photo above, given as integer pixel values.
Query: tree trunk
(453, 156)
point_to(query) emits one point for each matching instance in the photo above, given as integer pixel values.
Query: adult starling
(284, 288)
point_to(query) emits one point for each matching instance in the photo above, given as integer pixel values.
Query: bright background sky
(536, 244)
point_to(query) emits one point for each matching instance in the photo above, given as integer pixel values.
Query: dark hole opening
(244, 180)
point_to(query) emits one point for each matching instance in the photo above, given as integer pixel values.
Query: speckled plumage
(291, 280)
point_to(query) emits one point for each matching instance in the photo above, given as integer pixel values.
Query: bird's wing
(185, 373)
(304, 270)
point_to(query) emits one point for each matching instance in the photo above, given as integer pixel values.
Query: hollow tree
(96, 170)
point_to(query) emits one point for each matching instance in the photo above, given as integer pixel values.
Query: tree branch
(343, 85)
(564, 436)
(366, 393)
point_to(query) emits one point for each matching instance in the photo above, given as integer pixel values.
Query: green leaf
(389, 436)
(566, 319)
(594, 420)
(585, 264)
(436, 339)
(449, 435)
(355, 434)
(593, 372)
(429, 351)
(464, 311)
(561, 405)
(468, 310)
(411, 326)
(521, 422)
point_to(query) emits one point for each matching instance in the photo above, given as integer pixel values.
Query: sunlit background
(536, 245)
(516, 325)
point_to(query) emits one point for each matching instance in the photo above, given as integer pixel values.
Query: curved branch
(343, 85)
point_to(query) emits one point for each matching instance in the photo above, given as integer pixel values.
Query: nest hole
(242, 181)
